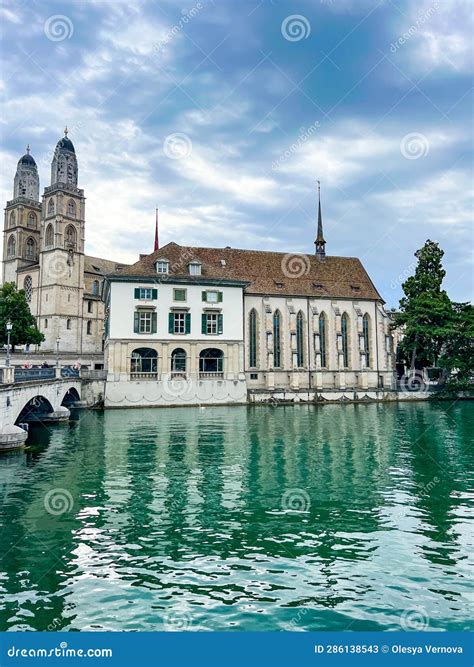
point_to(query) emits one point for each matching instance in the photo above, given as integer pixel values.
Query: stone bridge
(25, 399)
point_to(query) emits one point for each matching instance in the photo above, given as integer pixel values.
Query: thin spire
(66, 131)
(320, 243)
(156, 231)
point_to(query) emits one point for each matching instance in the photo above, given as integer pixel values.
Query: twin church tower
(43, 253)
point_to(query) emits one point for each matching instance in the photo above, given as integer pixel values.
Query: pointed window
(322, 340)
(253, 338)
(71, 236)
(11, 247)
(49, 236)
(345, 339)
(12, 219)
(95, 287)
(31, 220)
(277, 339)
(51, 207)
(71, 208)
(30, 249)
(300, 340)
(366, 338)
(89, 327)
(28, 287)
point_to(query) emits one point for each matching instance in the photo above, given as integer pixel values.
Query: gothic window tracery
(12, 219)
(51, 207)
(31, 220)
(71, 208)
(30, 249)
(71, 236)
(28, 287)
(11, 247)
(49, 236)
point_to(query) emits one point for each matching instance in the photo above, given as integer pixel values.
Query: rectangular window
(162, 267)
(89, 306)
(254, 376)
(179, 323)
(212, 324)
(145, 323)
(179, 294)
(212, 296)
(194, 269)
(146, 293)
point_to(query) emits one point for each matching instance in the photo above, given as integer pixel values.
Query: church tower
(320, 243)
(21, 235)
(62, 253)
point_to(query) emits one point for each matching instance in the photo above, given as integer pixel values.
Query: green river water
(232, 518)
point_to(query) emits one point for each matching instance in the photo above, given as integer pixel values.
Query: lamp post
(57, 351)
(9, 327)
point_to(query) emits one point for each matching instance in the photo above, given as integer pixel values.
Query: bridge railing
(28, 374)
(69, 372)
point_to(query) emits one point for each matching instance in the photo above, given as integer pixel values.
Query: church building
(43, 253)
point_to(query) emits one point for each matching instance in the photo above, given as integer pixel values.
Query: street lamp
(57, 351)
(9, 327)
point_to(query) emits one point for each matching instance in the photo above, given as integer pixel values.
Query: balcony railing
(206, 375)
(143, 376)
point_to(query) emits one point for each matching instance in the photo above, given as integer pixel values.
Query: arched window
(49, 236)
(277, 339)
(71, 236)
(178, 360)
(71, 208)
(30, 249)
(31, 220)
(46, 324)
(345, 339)
(28, 287)
(89, 326)
(68, 324)
(366, 337)
(253, 338)
(11, 247)
(51, 207)
(12, 219)
(300, 339)
(211, 362)
(144, 360)
(95, 287)
(322, 340)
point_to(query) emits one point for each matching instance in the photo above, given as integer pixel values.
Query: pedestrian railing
(28, 374)
(69, 372)
(93, 374)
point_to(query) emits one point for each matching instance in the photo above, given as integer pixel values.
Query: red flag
(156, 232)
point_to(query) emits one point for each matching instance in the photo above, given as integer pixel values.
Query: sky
(224, 114)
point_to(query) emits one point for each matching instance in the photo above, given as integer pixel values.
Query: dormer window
(195, 268)
(162, 266)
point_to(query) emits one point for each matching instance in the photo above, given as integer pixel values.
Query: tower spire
(156, 231)
(320, 243)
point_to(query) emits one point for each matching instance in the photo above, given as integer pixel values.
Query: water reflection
(182, 508)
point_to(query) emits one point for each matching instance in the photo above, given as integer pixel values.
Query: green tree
(458, 352)
(426, 311)
(14, 307)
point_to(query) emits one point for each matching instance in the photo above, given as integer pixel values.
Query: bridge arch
(70, 397)
(34, 409)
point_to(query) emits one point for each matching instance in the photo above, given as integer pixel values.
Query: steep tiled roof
(101, 266)
(289, 274)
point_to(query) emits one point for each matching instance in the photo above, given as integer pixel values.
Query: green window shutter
(204, 296)
(153, 323)
(154, 293)
(187, 323)
(220, 323)
(219, 296)
(136, 322)
(204, 323)
(137, 292)
(171, 323)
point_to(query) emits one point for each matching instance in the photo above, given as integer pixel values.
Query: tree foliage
(14, 308)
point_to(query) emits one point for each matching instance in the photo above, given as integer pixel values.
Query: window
(254, 376)
(211, 362)
(30, 249)
(89, 327)
(366, 337)
(68, 324)
(345, 339)
(46, 324)
(51, 207)
(146, 293)
(194, 268)
(28, 287)
(95, 287)
(179, 323)
(212, 323)
(71, 236)
(178, 360)
(71, 208)
(11, 247)
(144, 360)
(300, 339)
(253, 338)
(89, 306)
(162, 266)
(179, 295)
(212, 296)
(12, 219)
(322, 339)
(145, 322)
(277, 339)
(49, 236)
(31, 220)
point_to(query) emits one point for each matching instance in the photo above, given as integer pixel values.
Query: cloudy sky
(224, 113)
